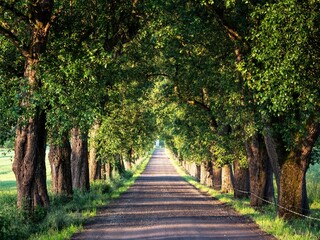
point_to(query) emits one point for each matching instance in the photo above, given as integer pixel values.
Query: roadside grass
(266, 217)
(7, 179)
(64, 217)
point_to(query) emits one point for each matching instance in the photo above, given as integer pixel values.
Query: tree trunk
(29, 163)
(271, 146)
(217, 179)
(59, 158)
(109, 169)
(79, 160)
(293, 167)
(227, 179)
(206, 174)
(293, 193)
(119, 164)
(103, 171)
(94, 165)
(241, 181)
(261, 185)
(203, 174)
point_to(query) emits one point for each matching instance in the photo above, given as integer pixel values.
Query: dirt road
(161, 205)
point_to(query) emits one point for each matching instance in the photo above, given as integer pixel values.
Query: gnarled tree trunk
(79, 160)
(29, 163)
(241, 180)
(59, 158)
(293, 166)
(261, 185)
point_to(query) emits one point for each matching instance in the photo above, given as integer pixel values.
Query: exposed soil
(161, 205)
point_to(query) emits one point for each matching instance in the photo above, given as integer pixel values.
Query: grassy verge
(64, 217)
(266, 217)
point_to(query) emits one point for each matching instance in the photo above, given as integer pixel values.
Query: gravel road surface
(161, 205)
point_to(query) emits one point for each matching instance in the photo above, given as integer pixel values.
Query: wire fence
(277, 205)
(270, 202)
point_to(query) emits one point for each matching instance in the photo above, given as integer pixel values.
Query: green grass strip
(266, 217)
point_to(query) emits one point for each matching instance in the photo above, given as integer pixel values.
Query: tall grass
(313, 185)
(266, 217)
(65, 216)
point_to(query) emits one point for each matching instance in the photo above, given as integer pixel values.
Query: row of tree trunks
(209, 174)
(267, 155)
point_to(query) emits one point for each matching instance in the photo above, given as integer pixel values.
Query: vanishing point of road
(161, 205)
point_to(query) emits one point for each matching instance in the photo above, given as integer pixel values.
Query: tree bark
(241, 181)
(206, 174)
(197, 171)
(273, 153)
(59, 158)
(227, 179)
(261, 185)
(109, 169)
(95, 166)
(29, 163)
(293, 166)
(104, 171)
(119, 164)
(217, 179)
(79, 160)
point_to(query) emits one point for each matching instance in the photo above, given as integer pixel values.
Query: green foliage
(283, 67)
(128, 128)
(10, 73)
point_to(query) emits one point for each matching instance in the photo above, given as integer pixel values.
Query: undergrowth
(265, 217)
(65, 216)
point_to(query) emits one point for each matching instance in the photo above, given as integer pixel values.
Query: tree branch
(157, 75)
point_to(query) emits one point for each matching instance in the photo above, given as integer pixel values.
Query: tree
(27, 24)
(283, 72)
